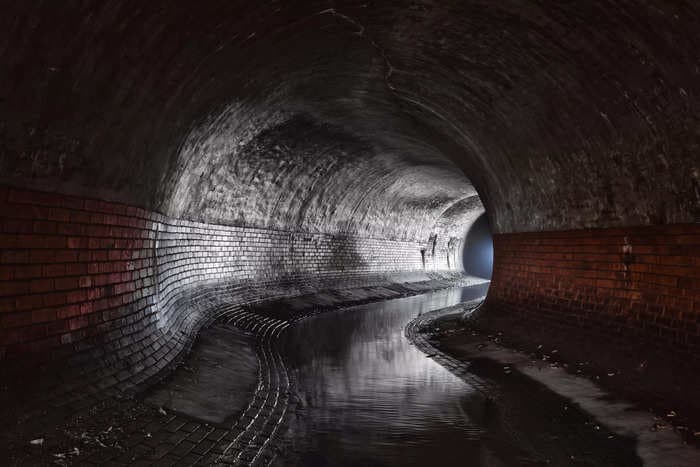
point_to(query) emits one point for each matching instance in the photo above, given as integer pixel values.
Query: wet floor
(367, 397)
(208, 387)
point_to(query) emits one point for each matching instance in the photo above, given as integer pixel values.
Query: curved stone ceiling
(373, 117)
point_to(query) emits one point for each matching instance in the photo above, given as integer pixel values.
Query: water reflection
(368, 397)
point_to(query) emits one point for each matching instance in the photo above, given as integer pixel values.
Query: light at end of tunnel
(478, 249)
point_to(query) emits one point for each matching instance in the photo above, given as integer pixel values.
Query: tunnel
(477, 251)
(169, 166)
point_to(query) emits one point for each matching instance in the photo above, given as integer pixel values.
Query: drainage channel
(364, 394)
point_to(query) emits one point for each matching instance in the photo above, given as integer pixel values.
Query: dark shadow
(478, 249)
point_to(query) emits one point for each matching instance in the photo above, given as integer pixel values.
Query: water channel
(367, 397)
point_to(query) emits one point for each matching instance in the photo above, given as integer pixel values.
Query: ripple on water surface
(366, 396)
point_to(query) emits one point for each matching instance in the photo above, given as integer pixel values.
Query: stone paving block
(177, 437)
(203, 447)
(199, 434)
(217, 434)
(220, 448)
(174, 425)
(190, 427)
(182, 449)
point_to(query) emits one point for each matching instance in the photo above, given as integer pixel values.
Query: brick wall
(641, 283)
(85, 275)
(449, 234)
(192, 257)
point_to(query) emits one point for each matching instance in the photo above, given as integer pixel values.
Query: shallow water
(366, 396)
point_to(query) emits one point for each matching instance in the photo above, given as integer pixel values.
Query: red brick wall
(70, 268)
(641, 282)
(77, 274)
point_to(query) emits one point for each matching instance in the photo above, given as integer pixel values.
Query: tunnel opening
(164, 167)
(477, 256)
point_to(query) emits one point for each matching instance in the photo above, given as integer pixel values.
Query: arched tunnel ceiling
(358, 116)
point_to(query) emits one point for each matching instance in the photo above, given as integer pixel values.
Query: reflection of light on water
(380, 379)
(367, 397)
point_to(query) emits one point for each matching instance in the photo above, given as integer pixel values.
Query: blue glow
(478, 249)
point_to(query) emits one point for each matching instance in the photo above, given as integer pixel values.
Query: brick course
(640, 283)
(115, 287)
